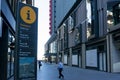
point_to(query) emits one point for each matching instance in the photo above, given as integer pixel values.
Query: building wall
(80, 21)
(101, 7)
(113, 30)
(99, 37)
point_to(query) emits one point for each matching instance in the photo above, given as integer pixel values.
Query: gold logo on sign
(28, 15)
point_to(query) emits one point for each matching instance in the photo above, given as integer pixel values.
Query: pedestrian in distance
(40, 64)
(60, 69)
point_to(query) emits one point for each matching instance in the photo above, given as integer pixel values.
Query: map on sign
(26, 67)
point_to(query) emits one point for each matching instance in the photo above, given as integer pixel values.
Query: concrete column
(83, 55)
(57, 57)
(80, 60)
(109, 46)
(63, 56)
(111, 50)
(70, 57)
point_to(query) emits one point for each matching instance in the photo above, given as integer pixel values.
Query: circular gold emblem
(28, 15)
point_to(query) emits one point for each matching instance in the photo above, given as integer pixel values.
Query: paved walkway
(50, 72)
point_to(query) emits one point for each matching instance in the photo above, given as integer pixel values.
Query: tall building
(8, 10)
(88, 33)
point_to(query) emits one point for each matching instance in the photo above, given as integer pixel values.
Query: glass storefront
(10, 55)
(7, 45)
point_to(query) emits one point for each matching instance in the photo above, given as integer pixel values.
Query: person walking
(40, 64)
(60, 69)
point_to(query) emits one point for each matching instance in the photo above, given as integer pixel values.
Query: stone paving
(50, 72)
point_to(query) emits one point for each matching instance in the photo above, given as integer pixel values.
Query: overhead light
(110, 22)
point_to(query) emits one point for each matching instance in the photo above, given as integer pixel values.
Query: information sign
(26, 42)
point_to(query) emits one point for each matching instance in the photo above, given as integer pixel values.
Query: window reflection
(24, 1)
(53, 47)
(89, 21)
(65, 24)
(70, 23)
(10, 65)
(92, 19)
(77, 35)
(113, 13)
(110, 19)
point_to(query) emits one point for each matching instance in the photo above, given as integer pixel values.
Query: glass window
(10, 65)
(113, 13)
(78, 34)
(27, 1)
(91, 18)
(12, 4)
(24, 1)
(89, 25)
(65, 34)
(53, 47)
(72, 21)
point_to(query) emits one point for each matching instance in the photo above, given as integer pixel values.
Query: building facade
(8, 10)
(58, 10)
(88, 34)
